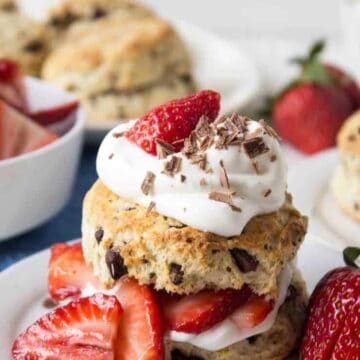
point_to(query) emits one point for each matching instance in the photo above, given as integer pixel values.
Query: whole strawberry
(309, 113)
(174, 121)
(333, 325)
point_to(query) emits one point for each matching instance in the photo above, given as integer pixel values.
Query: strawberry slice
(12, 88)
(68, 273)
(332, 330)
(84, 329)
(140, 334)
(174, 121)
(55, 114)
(19, 134)
(252, 313)
(198, 312)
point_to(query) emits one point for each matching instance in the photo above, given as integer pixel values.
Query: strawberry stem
(351, 255)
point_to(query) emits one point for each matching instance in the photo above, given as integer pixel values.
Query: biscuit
(115, 60)
(116, 105)
(161, 251)
(278, 343)
(23, 41)
(345, 184)
(69, 12)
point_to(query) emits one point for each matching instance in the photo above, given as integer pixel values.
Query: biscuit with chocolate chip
(177, 258)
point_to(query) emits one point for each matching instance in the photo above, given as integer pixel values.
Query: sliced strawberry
(332, 330)
(252, 313)
(68, 273)
(12, 88)
(19, 134)
(141, 333)
(174, 121)
(52, 115)
(199, 312)
(82, 330)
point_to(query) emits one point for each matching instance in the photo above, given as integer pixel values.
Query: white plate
(24, 287)
(218, 64)
(308, 181)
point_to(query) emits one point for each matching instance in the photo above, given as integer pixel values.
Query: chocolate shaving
(224, 180)
(118, 134)
(199, 159)
(150, 207)
(111, 156)
(220, 197)
(255, 165)
(269, 130)
(148, 183)
(273, 158)
(203, 182)
(255, 147)
(182, 178)
(235, 208)
(172, 166)
(267, 193)
(164, 149)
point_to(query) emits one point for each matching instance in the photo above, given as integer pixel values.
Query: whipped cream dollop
(226, 333)
(216, 191)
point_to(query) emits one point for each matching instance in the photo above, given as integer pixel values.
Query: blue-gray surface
(64, 226)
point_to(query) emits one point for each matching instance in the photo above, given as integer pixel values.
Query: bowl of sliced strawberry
(41, 130)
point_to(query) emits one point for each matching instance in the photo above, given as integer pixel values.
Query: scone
(68, 12)
(23, 41)
(195, 208)
(345, 184)
(120, 67)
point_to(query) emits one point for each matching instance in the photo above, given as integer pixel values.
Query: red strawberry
(346, 82)
(68, 273)
(252, 313)
(333, 324)
(52, 115)
(84, 329)
(19, 134)
(199, 312)
(309, 113)
(141, 333)
(309, 116)
(12, 89)
(174, 121)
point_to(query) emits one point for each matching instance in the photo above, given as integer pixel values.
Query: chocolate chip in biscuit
(244, 261)
(99, 13)
(176, 273)
(115, 264)
(99, 234)
(34, 46)
(178, 355)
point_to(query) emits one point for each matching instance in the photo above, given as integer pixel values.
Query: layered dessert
(345, 184)
(191, 229)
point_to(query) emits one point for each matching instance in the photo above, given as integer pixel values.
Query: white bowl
(35, 186)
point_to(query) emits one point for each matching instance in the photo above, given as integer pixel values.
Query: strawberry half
(82, 330)
(68, 273)
(12, 88)
(333, 325)
(141, 332)
(198, 312)
(252, 313)
(19, 134)
(174, 121)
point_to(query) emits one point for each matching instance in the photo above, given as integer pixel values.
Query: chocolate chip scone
(24, 41)
(68, 12)
(163, 252)
(121, 67)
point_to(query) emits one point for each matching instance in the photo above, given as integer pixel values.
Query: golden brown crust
(23, 41)
(151, 243)
(348, 139)
(276, 344)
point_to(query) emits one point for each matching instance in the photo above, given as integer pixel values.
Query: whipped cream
(257, 185)
(227, 333)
